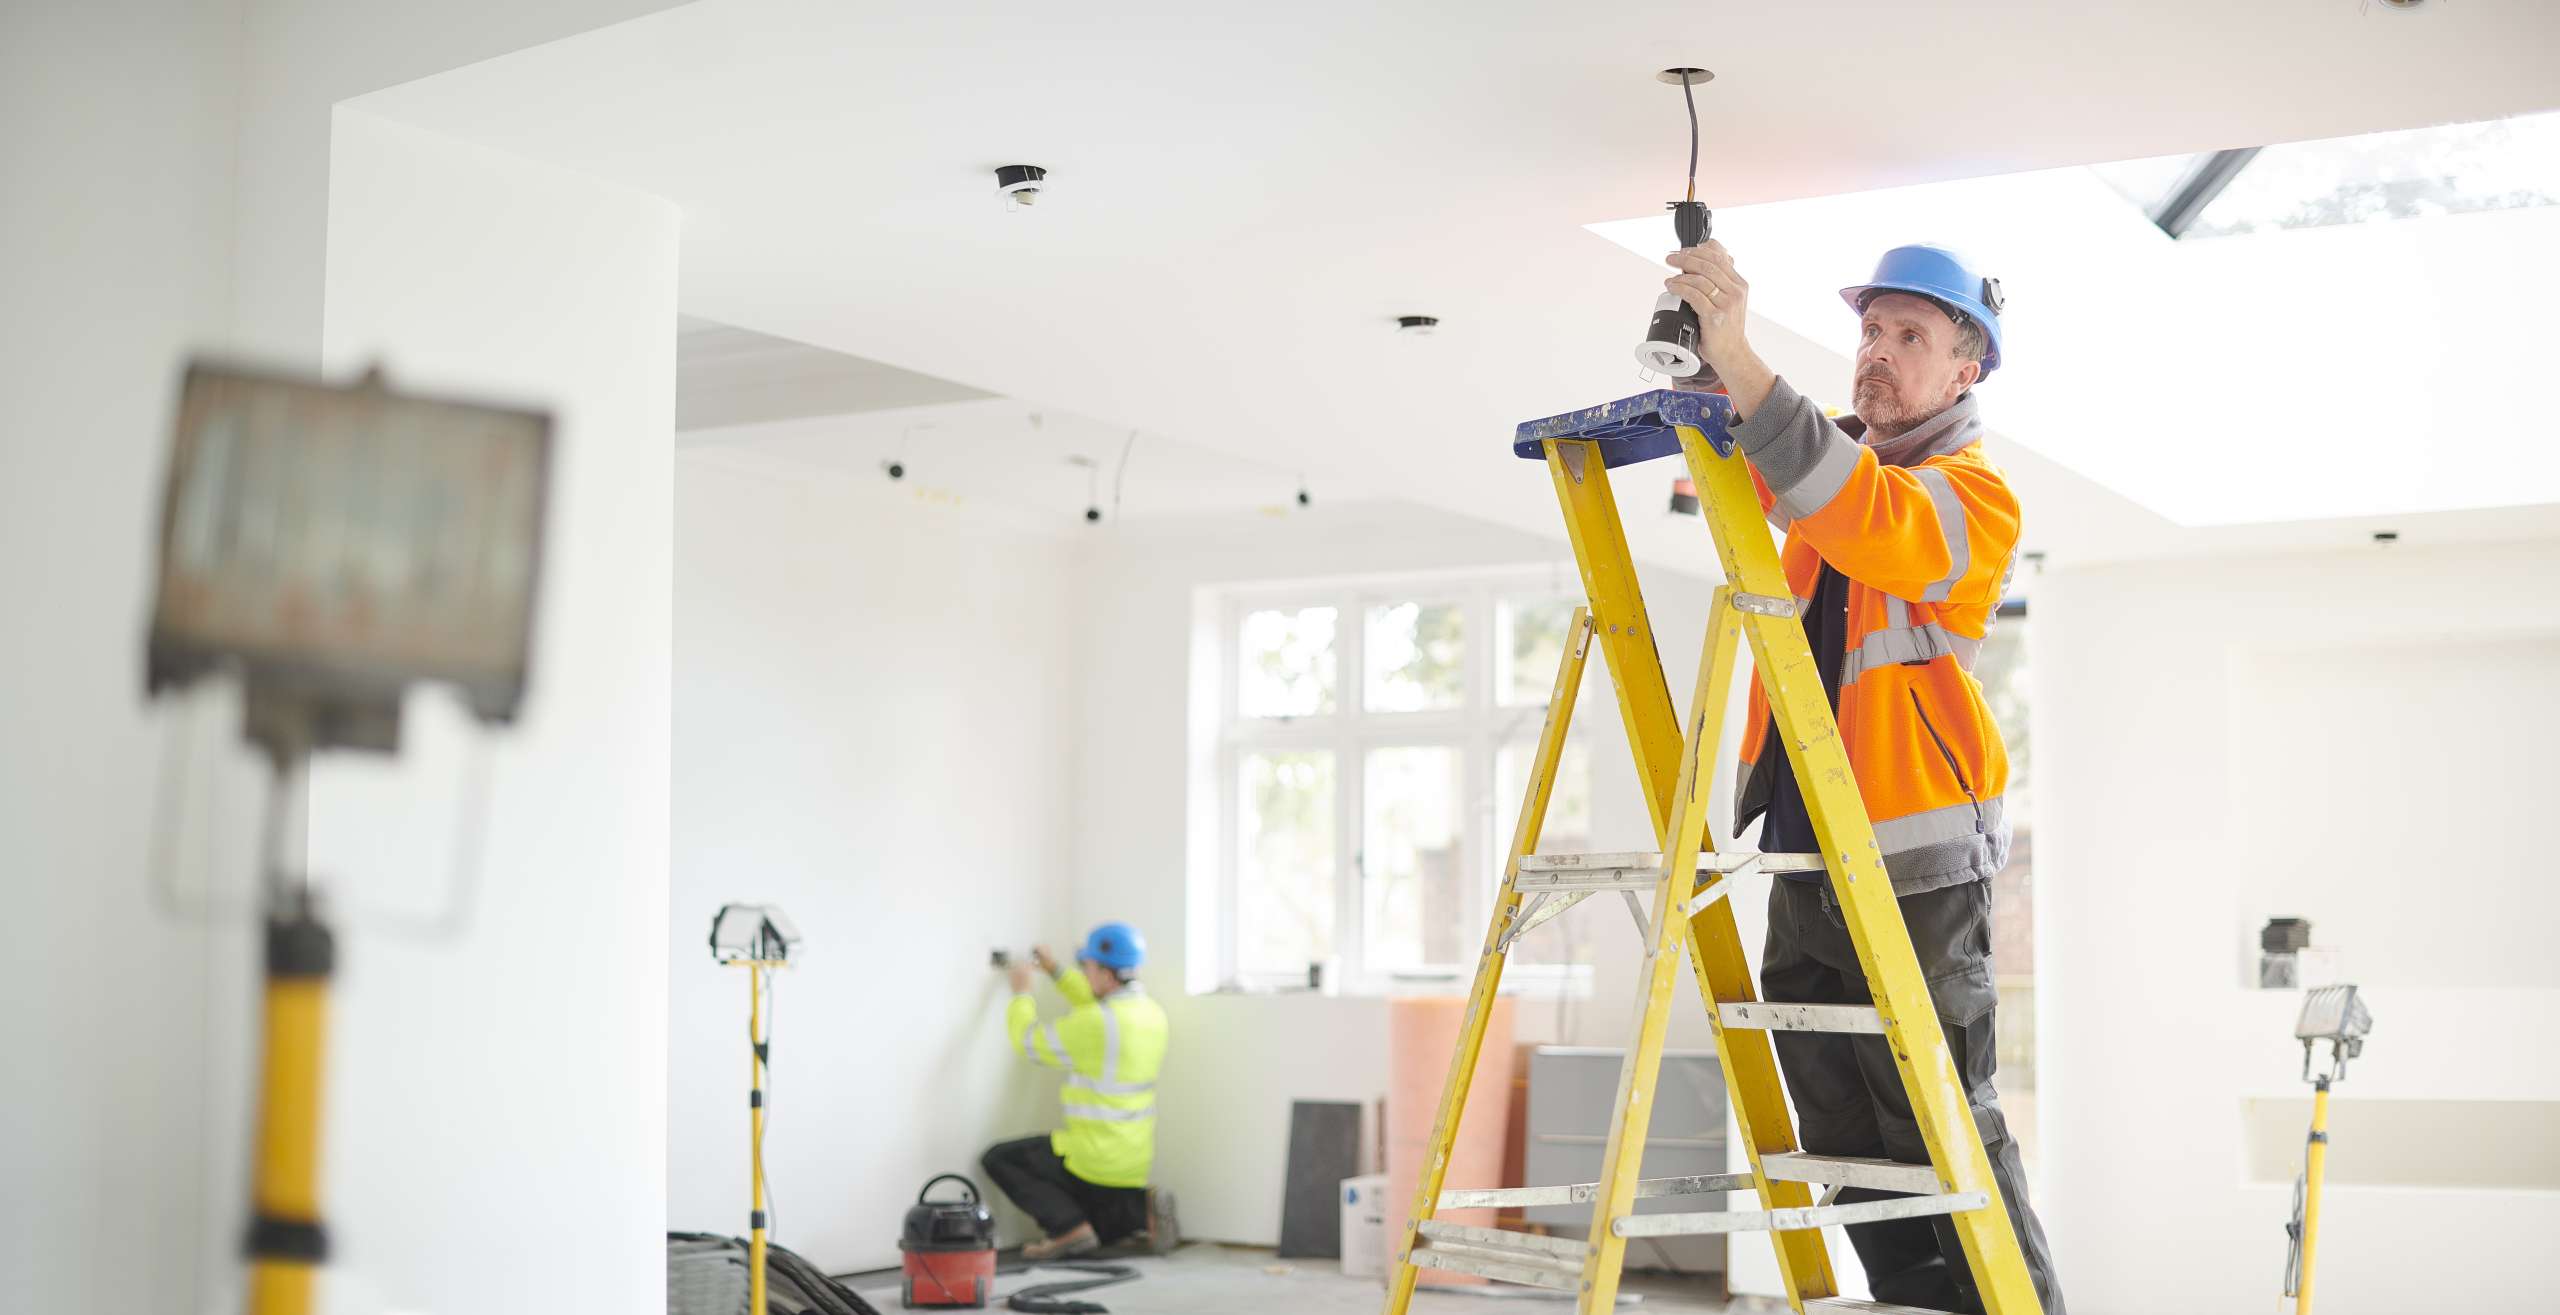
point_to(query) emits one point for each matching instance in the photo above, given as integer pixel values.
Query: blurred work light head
(758, 932)
(334, 544)
(2332, 1014)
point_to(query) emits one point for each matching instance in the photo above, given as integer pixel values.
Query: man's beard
(1876, 402)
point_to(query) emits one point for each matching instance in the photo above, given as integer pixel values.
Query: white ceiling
(1243, 200)
(1022, 461)
(790, 408)
(728, 376)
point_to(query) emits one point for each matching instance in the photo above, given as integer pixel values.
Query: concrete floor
(1206, 1277)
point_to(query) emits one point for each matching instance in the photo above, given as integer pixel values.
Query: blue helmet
(1115, 945)
(1943, 277)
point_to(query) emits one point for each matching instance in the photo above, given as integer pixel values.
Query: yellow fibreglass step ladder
(1691, 880)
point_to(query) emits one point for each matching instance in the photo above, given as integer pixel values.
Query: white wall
(297, 60)
(872, 713)
(115, 148)
(1238, 1061)
(2218, 745)
(120, 135)
(495, 1103)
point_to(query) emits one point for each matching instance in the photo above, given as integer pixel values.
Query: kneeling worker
(1086, 1183)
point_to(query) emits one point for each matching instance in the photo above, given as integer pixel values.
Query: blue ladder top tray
(1633, 429)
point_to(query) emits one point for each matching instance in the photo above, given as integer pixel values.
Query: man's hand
(1020, 975)
(1040, 955)
(1717, 291)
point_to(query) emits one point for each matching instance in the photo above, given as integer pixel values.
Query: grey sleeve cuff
(1803, 456)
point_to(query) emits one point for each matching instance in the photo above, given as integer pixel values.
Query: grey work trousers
(1848, 1095)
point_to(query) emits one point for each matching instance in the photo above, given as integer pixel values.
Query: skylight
(2457, 169)
(2149, 183)
(2461, 168)
(2217, 382)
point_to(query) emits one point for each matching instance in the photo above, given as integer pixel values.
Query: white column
(497, 1101)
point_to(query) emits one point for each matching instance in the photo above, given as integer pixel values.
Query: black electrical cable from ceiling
(1689, 96)
(1121, 475)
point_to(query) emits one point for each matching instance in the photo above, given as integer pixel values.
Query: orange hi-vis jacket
(1927, 536)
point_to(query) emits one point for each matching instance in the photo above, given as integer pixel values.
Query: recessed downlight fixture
(1020, 184)
(1417, 325)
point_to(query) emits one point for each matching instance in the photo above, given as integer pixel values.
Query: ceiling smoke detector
(1020, 184)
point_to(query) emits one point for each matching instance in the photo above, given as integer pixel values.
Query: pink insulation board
(1422, 1035)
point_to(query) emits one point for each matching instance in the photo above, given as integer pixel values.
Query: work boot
(1074, 1242)
(1164, 1230)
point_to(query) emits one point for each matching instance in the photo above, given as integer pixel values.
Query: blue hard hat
(1943, 277)
(1115, 945)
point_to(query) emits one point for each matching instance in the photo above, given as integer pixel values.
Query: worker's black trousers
(1033, 1177)
(1848, 1095)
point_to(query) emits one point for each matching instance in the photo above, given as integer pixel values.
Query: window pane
(1417, 657)
(1284, 864)
(1528, 641)
(1567, 829)
(1287, 663)
(1416, 907)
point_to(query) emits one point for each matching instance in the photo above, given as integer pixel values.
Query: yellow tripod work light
(2332, 1014)
(328, 546)
(758, 938)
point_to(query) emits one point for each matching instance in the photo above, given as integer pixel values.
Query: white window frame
(1478, 730)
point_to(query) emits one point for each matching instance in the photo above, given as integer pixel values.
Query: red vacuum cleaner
(949, 1248)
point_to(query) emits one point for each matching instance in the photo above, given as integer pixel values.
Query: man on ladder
(1901, 537)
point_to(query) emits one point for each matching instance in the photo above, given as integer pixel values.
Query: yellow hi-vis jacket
(1111, 1049)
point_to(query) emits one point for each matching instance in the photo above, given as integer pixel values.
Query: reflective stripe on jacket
(1927, 539)
(1111, 1049)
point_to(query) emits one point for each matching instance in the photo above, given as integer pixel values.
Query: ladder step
(1853, 1306)
(1473, 1198)
(1460, 1262)
(1801, 1018)
(1847, 1171)
(1472, 1238)
(1631, 869)
(1588, 880)
(1788, 1220)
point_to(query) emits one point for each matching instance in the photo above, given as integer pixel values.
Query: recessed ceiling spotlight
(1020, 184)
(2386, 536)
(1416, 325)
(2404, 4)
